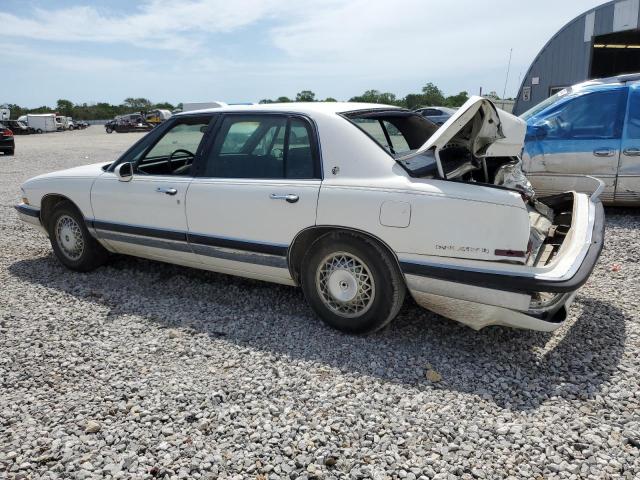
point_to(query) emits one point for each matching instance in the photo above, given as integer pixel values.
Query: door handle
(604, 152)
(168, 191)
(632, 152)
(290, 197)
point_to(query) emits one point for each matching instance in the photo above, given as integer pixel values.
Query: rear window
(398, 132)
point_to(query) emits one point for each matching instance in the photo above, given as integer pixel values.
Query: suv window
(262, 146)
(597, 115)
(633, 122)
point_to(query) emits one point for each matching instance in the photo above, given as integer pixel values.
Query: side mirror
(124, 172)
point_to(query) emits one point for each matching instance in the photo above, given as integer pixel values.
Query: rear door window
(262, 147)
(397, 133)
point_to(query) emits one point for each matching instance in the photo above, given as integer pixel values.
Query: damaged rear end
(529, 287)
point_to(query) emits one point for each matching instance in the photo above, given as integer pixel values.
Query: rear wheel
(71, 241)
(10, 152)
(39, 130)
(352, 283)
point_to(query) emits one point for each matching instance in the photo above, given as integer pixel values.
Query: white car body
(460, 246)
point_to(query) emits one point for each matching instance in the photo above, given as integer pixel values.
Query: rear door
(254, 190)
(628, 187)
(581, 136)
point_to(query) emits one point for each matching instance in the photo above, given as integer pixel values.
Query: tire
(352, 283)
(72, 243)
(39, 130)
(109, 130)
(11, 152)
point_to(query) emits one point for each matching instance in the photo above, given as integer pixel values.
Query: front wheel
(109, 130)
(39, 130)
(352, 283)
(71, 241)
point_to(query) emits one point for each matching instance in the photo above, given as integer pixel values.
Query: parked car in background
(18, 127)
(134, 122)
(82, 124)
(590, 129)
(71, 125)
(356, 203)
(437, 115)
(7, 142)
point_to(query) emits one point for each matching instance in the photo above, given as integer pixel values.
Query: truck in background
(40, 122)
(5, 113)
(157, 116)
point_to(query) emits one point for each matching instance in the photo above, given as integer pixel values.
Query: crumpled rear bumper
(479, 298)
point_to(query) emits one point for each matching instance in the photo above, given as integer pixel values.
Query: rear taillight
(7, 133)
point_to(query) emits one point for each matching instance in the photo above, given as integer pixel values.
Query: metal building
(602, 42)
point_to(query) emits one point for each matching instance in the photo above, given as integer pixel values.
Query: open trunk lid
(482, 128)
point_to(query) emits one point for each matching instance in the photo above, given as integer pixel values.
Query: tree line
(96, 111)
(430, 95)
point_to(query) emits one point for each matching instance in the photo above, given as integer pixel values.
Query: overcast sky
(245, 50)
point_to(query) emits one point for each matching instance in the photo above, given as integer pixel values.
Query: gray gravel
(143, 370)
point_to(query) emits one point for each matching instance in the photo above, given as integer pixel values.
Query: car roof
(308, 108)
(595, 83)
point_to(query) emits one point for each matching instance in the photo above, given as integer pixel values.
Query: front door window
(174, 152)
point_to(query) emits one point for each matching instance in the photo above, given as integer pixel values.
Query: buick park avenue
(355, 203)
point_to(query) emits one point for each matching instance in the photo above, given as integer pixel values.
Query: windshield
(532, 112)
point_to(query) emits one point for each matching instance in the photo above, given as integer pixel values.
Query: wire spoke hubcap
(345, 284)
(69, 237)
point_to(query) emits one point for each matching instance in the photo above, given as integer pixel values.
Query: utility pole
(506, 80)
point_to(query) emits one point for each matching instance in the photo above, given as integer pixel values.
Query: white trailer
(189, 107)
(5, 113)
(41, 122)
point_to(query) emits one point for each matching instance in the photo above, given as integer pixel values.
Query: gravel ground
(143, 370)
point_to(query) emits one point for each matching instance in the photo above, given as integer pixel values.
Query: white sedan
(355, 203)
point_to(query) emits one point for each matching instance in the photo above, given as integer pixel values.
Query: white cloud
(432, 37)
(76, 63)
(335, 47)
(165, 24)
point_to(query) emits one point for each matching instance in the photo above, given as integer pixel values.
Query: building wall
(565, 59)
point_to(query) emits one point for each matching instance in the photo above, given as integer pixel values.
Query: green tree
(65, 107)
(283, 100)
(456, 100)
(265, 101)
(414, 100)
(137, 104)
(432, 95)
(330, 99)
(375, 96)
(164, 106)
(16, 111)
(306, 96)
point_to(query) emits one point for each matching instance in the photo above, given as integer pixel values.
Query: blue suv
(590, 129)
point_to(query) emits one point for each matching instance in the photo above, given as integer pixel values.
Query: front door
(145, 216)
(255, 190)
(579, 137)
(628, 188)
